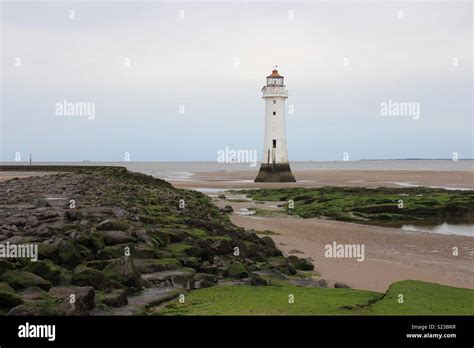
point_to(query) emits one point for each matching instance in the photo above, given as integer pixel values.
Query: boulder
(227, 209)
(116, 237)
(83, 297)
(6, 266)
(123, 270)
(45, 269)
(300, 264)
(73, 215)
(33, 309)
(177, 278)
(8, 297)
(237, 270)
(86, 276)
(115, 298)
(341, 285)
(22, 280)
(110, 225)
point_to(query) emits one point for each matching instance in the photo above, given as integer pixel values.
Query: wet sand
(390, 254)
(312, 178)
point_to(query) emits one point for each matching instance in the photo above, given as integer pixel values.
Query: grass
(268, 300)
(373, 205)
(420, 298)
(423, 298)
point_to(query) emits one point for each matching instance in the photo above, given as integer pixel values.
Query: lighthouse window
(274, 102)
(274, 113)
(274, 143)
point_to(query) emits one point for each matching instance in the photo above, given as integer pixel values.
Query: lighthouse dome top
(274, 74)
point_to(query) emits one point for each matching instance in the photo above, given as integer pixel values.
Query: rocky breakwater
(108, 239)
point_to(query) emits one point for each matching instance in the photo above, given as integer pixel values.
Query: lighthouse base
(275, 173)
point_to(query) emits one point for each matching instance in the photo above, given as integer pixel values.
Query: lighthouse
(275, 166)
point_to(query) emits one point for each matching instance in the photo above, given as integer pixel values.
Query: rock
(218, 262)
(42, 203)
(120, 213)
(268, 242)
(83, 296)
(274, 274)
(203, 280)
(227, 209)
(257, 280)
(309, 282)
(300, 264)
(115, 298)
(8, 298)
(34, 294)
(31, 222)
(45, 269)
(61, 252)
(156, 265)
(178, 278)
(123, 270)
(6, 266)
(22, 280)
(33, 309)
(93, 241)
(73, 215)
(237, 270)
(117, 237)
(341, 285)
(110, 225)
(86, 276)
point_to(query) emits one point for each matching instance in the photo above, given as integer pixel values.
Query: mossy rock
(300, 264)
(144, 251)
(237, 270)
(64, 253)
(114, 298)
(8, 297)
(22, 280)
(191, 262)
(45, 269)
(86, 276)
(113, 225)
(113, 252)
(123, 271)
(157, 265)
(93, 241)
(6, 266)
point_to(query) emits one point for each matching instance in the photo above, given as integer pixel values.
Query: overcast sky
(210, 60)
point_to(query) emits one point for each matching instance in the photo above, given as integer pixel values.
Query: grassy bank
(373, 205)
(419, 298)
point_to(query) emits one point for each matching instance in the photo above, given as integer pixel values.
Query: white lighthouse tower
(275, 166)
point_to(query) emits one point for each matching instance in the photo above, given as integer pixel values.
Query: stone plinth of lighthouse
(275, 166)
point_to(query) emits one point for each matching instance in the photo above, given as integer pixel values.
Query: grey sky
(192, 62)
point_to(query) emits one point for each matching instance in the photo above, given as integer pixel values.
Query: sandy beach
(392, 254)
